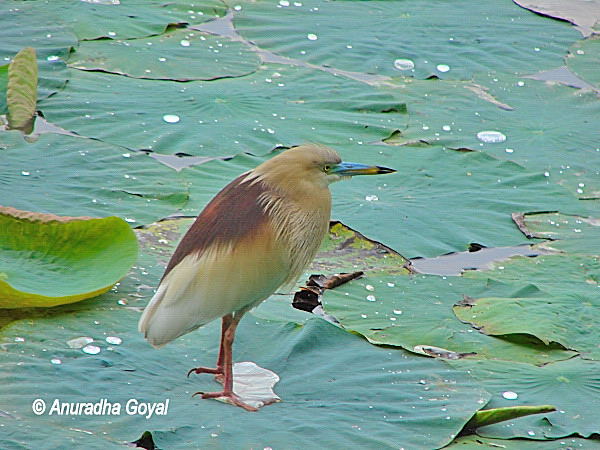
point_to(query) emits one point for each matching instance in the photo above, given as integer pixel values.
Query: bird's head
(316, 164)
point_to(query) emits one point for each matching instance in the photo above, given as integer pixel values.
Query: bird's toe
(229, 397)
(218, 371)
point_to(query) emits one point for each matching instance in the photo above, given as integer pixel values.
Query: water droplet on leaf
(491, 137)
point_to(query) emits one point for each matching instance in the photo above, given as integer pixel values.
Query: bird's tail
(148, 317)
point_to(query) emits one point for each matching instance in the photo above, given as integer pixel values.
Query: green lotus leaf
(83, 177)
(48, 260)
(561, 275)
(369, 36)
(547, 129)
(584, 60)
(178, 54)
(123, 19)
(21, 90)
(276, 105)
(550, 130)
(475, 442)
(572, 386)
(441, 200)
(416, 311)
(573, 234)
(570, 321)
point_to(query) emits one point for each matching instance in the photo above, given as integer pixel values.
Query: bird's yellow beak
(349, 169)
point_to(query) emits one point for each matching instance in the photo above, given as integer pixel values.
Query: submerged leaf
(48, 260)
(21, 92)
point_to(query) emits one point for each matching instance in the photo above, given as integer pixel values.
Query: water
(454, 264)
(404, 64)
(312, 37)
(510, 395)
(491, 137)
(171, 118)
(79, 342)
(114, 340)
(561, 75)
(91, 349)
(443, 68)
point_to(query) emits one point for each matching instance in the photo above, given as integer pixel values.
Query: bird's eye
(326, 168)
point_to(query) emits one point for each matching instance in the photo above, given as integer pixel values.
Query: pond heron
(259, 233)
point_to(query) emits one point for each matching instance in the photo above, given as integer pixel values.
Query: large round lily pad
(573, 386)
(417, 311)
(178, 54)
(48, 260)
(584, 59)
(370, 36)
(74, 176)
(573, 234)
(441, 200)
(96, 19)
(275, 105)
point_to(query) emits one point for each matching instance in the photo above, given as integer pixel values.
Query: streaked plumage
(259, 233)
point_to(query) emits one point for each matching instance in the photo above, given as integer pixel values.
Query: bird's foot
(231, 397)
(218, 371)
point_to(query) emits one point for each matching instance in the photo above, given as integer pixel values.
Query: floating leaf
(584, 58)
(21, 91)
(416, 313)
(571, 321)
(78, 177)
(569, 233)
(276, 105)
(407, 30)
(474, 442)
(441, 200)
(48, 260)
(164, 57)
(572, 386)
(90, 19)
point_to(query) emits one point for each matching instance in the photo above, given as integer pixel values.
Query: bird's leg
(227, 391)
(218, 371)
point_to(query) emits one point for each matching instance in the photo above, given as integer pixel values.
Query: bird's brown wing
(230, 216)
(230, 259)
